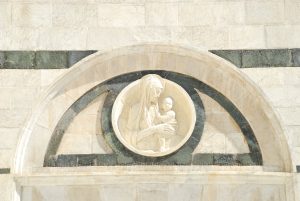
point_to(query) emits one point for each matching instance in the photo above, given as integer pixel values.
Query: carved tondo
(153, 116)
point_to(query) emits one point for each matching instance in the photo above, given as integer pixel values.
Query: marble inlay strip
(65, 59)
(4, 170)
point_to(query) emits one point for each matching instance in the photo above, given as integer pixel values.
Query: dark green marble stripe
(4, 170)
(41, 59)
(64, 59)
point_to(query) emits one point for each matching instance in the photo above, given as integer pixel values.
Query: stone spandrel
(153, 116)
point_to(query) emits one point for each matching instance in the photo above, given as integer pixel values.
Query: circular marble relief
(153, 116)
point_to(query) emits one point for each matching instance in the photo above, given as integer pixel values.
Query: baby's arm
(170, 115)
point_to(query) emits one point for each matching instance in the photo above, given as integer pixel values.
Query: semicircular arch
(202, 65)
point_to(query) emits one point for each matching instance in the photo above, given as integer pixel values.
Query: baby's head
(167, 104)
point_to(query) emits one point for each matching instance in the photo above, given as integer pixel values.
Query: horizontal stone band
(65, 59)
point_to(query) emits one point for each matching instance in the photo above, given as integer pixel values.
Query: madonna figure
(147, 127)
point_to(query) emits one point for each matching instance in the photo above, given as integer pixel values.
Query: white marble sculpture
(153, 116)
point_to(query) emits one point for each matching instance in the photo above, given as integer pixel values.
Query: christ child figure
(166, 116)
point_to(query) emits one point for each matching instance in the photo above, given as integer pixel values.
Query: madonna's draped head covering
(139, 118)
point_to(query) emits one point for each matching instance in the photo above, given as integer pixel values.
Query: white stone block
(154, 34)
(75, 1)
(91, 15)
(32, 14)
(208, 13)
(74, 15)
(114, 15)
(207, 37)
(290, 115)
(271, 77)
(291, 76)
(80, 193)
(277, 95)
(192, 14)
(246, 37)
(5, 14)
(99, 145)
(24, 98)
(6, 184)
(264, 12)
(49, 76)
(229, 12)
(13, 118)
(293, 135)
(150, 192)
(211, 143)
(283, 36)
(236, 143)
(5, 98)
(5, 44)
(6, 156)
(8, 137)
(295, 153)
(185, 192)
(75, 144)
(115, 192)
(283, 96)
(297, 187)
(20, 78)
(161, 14)
(63, 38)
(84, 124)
(22, 38)
(292, 13)
(107, 38)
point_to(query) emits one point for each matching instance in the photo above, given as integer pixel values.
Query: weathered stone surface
(159, 14)
(74, 15)
(66, 161)
(224, 159)
(282, 36)
(75, 56)
(296, 57)
(245, 159)
(233, 56)
(246, 37)
(127, 15)
(203, 159)
(32, 15)
(5, 14)
(265, 58)
(149, 192)
(51, 59)
(65, 59)
(125, 160)
(4, 170)
(19, 59)
(2, 59)
(86, 160)
(264, 12)
(106, 159)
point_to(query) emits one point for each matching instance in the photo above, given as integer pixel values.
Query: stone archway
(99, 67)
